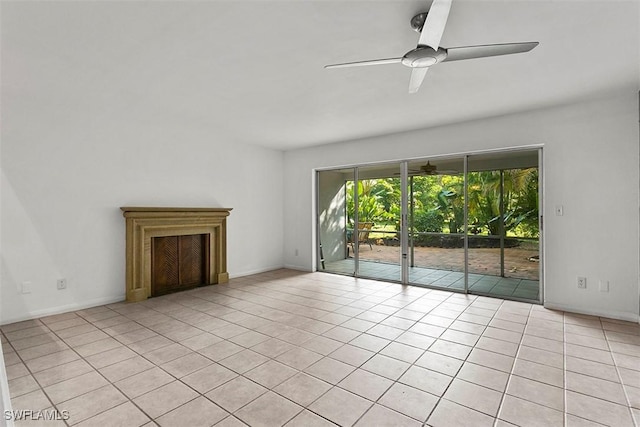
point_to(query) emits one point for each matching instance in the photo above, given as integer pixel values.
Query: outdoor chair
(364, 228)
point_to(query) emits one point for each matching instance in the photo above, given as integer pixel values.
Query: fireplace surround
(143, 224)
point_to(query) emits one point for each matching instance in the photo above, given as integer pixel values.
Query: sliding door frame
(407, 215)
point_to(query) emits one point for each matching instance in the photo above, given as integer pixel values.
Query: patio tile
(426, 380)
(416, 340)
(447, 348)
(198, 412)
(167, 353)
(543, 357)
(366, 384)
(384, 331)
(380, 416)
(596, 387)
(340, 406)
(22, 385)
(370, 342)
(249, 339)
(268, 410)
(42, 350)
(126, 368)
(525, 413)
(498, 346)
(236, 393)
(490, 359)
(410, 401)
(92, 403)
(272, 347)
(308, 419)
(302, 389)
(35, 400)
(450, 414)
(322, 345)
(440, 363)
(110, 357)
(483, 376)
(49, 361)
(220, 350)
(62, 372)
(73, 387)
(403, 352)
(143, 382)
(386, 366)
(243, 361)
(124, 414)
(536, 392)
(270, 374)
(352, 355)
(186, 364)
(329, 370)
(208, 378)
(299, 358)
(474, 396)
(164, 399)
(342, 334)
(542, 373)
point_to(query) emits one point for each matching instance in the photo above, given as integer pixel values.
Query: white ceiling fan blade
(482, 51)
(365, 63)
(433, 27)
(417, 76)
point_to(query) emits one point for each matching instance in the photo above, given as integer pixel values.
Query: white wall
(5, 400)
(64, 180)
(332, 208)
(591, 167)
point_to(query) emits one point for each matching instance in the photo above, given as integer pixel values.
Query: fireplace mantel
(145, 223)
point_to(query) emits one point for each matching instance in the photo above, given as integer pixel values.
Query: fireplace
(178, 263)
(172, 249)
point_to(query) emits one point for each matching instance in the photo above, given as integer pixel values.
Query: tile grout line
(370, 295)
(513, 367)
(624, 389)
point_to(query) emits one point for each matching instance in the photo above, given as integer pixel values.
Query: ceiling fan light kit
(431, 25)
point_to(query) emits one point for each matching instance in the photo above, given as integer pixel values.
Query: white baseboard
(297, 267)
(63, 309)
(107, 300)
(618, 315)
(257, 271)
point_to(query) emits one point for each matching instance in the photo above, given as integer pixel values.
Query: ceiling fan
(430, 170)
(431, 25)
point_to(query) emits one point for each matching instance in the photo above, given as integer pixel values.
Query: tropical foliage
(438, 202)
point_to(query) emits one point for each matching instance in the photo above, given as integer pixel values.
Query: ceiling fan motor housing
(417, 22)
(423, 56)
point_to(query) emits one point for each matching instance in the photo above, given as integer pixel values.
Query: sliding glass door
(436, 223)
(333, 226)
(376, 230)
(503, 231)
(468, 223)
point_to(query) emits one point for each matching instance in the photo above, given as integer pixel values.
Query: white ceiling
(252, 72)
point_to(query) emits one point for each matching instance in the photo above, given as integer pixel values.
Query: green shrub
(430, 221)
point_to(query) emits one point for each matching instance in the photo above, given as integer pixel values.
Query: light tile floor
(315, 349)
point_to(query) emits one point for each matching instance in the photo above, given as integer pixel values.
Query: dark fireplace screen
(178, 263)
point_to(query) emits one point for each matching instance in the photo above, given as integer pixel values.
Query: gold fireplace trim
(145, 223)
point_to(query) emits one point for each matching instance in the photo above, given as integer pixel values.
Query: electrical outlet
(25, 288)
(559, 210)
(62, 284)
(582, 282)
(604, 286)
